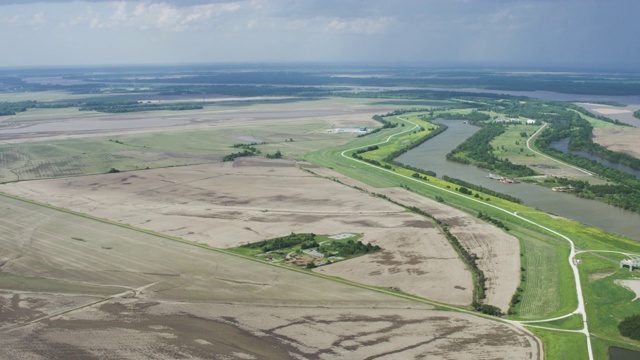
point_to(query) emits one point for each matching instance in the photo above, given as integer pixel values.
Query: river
(431, 156)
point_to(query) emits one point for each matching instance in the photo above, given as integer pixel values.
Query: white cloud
(161, 16)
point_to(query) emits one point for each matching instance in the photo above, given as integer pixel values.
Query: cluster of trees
(482, 189)
(494, 221)
(276, 155)
(248, 151)
(305, 240)
(630, 327)
(11, 108)
(347, 248)
(133, 106)
(636, 114)
(473, 117)
(477, 150)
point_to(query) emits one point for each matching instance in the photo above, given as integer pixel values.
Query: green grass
(562, 345)
(546, 294)
(608, 302)
(573, 322)
(512, 145)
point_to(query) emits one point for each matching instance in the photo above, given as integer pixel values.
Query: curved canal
(431, 156)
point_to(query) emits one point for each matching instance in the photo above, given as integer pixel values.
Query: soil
(621, 140)
(498, 252)
(230, 204)
(150, 330)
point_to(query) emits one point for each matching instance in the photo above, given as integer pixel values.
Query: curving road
(581, 308)
(549, 157)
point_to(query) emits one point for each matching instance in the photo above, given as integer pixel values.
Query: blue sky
(526, 33)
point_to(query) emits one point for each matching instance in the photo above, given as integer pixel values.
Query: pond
(616, 353)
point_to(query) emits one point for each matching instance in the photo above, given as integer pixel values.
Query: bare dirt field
(73, 287)
(498, 252)
(621, 140)
(150, 330)
(253, 199)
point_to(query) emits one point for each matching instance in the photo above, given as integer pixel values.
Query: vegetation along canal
(431, 156)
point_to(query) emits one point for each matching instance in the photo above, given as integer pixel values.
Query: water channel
(431, 156)
(563, 145)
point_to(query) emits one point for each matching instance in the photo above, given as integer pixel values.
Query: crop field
(128, 293)
(293, 129)
(624, 140)
(256, 199)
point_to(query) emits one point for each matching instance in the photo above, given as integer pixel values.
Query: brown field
(73, 287)
(226, 205)
(618, 139)
(498, 252)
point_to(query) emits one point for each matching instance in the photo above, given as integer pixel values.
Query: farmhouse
(531, 122)
(631, 263)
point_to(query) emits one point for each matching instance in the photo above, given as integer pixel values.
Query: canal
(431, 156)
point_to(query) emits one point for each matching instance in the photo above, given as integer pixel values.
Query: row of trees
(134, 106)
(11, 108)
(482, 189)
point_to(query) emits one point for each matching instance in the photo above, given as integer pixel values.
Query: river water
(563, 145)
(431, 156)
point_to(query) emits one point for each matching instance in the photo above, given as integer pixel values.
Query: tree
(630, 327)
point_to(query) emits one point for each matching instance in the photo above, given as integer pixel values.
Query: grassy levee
(546, 283)
(549, 289)
(563, 345)
(609, 302)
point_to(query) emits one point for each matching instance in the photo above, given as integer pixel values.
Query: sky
(518, 33)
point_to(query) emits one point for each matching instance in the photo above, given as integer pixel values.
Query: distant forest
(213, 79)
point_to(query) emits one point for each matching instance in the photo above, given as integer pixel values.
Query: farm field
(200, 137)
(127, 293)
(253, 199)
(624, 140)
(188, 193)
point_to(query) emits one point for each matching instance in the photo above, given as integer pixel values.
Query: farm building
(631, 263)
(531, 122)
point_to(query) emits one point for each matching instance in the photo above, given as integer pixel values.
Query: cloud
(157, 16)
